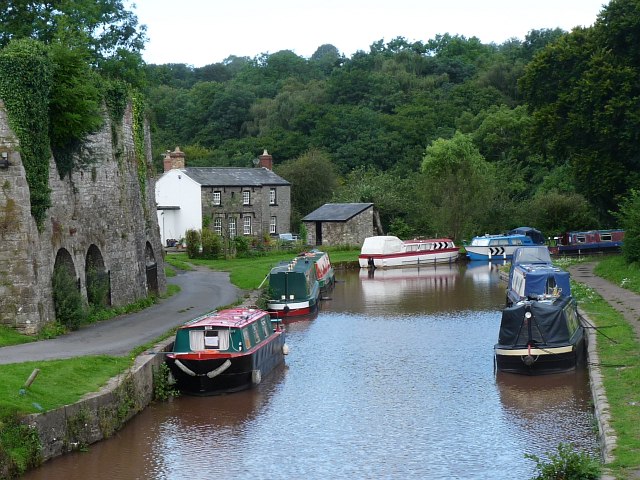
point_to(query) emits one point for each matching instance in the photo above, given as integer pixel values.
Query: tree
(629, 217)
(457, 184)
(101, 26)
(312, 179)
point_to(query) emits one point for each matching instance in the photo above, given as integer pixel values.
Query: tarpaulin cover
(537, 281)
(549, 323)
(536, 235)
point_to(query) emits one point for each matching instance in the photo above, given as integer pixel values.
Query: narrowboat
(540, 337)
(295, 287)
(533, 276)
(226, 351)
(496, 247)
(584, 243)
(388, 251)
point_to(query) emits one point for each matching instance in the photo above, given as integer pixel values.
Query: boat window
(517, 241)
(605, 237)
(256, 333)
(480, 242)
(208, 339)
(247, 339)
(266, 324)
(581, 239)
(216, 339)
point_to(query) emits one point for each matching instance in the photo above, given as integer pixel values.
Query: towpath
(202, 290)
(624, 301)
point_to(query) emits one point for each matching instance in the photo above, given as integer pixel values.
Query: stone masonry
(98, 213)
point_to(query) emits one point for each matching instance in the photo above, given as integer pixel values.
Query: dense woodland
(447, 137)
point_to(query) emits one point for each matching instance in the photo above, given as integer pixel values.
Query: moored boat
(295, 287)
(586, 242)
(540, 337)
(388, 251)
(497, 247)
(226, 351)
(540, 330)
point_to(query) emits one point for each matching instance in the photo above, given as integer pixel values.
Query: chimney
(265, 160)
(173, 159)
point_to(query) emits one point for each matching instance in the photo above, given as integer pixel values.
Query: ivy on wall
(138, 140)
(25, 83)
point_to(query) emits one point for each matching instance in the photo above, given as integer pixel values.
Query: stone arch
(65, 285)
(152, 269)
(65, 261)
(97, 278)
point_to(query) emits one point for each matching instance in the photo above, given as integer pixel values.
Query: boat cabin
(533, 276)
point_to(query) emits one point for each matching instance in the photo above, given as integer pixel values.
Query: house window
(217, 225)
(273, 225)
(246, 197)
(247, 225)
(216, 198)
(272, 196)
(232, 227)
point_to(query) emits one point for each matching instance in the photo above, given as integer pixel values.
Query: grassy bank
(618, 349)
(249, 273)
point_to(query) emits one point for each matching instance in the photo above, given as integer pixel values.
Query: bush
(242, 247)
(194, 245)
(567, 464)
(211, 244)
(67, 299)
(629, 218)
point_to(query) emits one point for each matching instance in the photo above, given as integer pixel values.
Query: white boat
(387, 251)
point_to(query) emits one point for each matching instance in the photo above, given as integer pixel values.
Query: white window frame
(233, 227)
(273, 225)
(246, 197)
(217, 225)
(246, 229)
(217, 198)
(272, 196)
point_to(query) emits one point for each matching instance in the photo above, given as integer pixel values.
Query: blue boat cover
(535, 235)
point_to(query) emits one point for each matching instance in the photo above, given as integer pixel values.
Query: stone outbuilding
(340, 224)
(231, 201)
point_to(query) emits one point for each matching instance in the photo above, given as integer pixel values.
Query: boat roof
(532, 254)
(428, 240)
(301, 263)
(232, 317)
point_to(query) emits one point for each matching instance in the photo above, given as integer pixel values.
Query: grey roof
(336, 212)
(234, 177)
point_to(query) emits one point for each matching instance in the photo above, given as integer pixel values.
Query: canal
(393, 378)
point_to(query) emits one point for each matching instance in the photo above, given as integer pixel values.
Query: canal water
(393, 378)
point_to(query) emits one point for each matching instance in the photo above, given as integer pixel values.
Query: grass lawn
(618, 349)
(250, 273)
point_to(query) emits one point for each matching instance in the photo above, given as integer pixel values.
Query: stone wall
(98, 214)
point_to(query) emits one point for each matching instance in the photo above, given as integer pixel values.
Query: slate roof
(336, 212)
(234, 177)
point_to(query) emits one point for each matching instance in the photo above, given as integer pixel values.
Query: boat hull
(292, 309)
(490, 253)
(408, 259)
(227, 373)
(543, 360)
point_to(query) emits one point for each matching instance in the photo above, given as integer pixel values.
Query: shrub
(629, 218)
(194, 245)
(211, 244)
(67, 299)
(567, 464)
(242, 247)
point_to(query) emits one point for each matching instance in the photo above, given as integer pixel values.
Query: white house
(231, 201)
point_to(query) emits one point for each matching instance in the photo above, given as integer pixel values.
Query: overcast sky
(201, 32)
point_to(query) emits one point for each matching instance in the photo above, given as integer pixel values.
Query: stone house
(231, 201)
(340, 224)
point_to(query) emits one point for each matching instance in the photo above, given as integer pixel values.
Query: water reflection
(540, 407)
